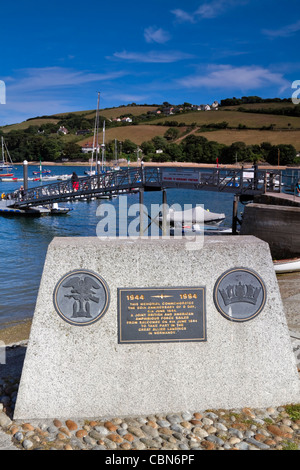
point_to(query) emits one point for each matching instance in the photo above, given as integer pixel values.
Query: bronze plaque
(240, 294)
(161, 314)
(81, 297)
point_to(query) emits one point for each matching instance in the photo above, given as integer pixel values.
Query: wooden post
(141, 212)
(98, 173)
(164, 213)
(235, 214)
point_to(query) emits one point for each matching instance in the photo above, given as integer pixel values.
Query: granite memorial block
(128, 328)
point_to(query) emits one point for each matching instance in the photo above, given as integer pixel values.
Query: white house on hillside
(63, 130)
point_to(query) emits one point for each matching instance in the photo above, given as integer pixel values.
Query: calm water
(24, 241)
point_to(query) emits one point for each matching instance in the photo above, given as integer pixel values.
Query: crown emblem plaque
(240, 294)
(81, 297)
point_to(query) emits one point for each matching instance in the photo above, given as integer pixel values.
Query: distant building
(83, 132)
(124, 119)
(88, 147)
(168, 111)
(207, 107)
(215, 105)
(63, 130)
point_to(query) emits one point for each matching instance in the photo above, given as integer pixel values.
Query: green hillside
(256, 126)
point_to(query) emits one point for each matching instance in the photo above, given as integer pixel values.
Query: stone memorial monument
(138, 327)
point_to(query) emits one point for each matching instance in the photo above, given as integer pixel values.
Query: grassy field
(137, 134)
(113, 113)
(24, 125)
(89, 114)
(234, 118)
(251, 137)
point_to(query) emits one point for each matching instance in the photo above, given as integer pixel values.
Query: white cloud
(158, 35)
(242, 78)
(183, 16)
(207, 10)
(210, 10)
(49, 90)
(34, 79)
(153, 56)
(283, 32)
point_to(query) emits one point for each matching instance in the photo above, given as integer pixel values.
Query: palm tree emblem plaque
(81, 297)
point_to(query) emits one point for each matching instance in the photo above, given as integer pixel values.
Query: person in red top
(75, 181)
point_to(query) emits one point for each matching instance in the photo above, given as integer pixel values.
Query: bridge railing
(109, 182)
(240, 182)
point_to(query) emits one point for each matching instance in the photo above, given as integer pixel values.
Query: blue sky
(56, 56)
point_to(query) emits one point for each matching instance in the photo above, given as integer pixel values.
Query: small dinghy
(194, 216)
(287, 265)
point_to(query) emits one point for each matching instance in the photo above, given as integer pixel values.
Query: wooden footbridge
(241, 183)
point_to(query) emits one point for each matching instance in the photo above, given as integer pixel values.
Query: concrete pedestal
(83, 371)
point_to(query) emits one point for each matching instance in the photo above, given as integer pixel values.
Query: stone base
(75, 371)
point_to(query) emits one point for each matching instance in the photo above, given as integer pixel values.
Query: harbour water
(24, 240)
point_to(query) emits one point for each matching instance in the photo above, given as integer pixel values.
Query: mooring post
(141, 211)
(25, 175)
(98, 173)
(164, 212)
(235, 214)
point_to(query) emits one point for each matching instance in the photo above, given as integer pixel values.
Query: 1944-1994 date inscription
(161, 314)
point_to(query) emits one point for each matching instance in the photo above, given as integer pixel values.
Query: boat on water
(7, 209)
(287, 265)
(6, 164)
(196, 215)
(12, 179)
(41, 172)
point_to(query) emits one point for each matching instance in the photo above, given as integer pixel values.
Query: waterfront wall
(278, 225)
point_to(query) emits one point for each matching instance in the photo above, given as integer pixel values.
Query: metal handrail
(222, 180)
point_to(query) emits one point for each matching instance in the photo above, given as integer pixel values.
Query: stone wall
(279, 226)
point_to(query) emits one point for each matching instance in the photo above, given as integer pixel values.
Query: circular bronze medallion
(81, 297)
(240, 294)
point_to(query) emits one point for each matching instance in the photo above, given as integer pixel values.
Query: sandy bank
(12, 333)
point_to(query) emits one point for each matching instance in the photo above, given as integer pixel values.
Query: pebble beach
(272, 428)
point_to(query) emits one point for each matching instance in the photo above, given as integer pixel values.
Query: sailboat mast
(96, 132)
(103, 146)
(2, 145)
(98, 107)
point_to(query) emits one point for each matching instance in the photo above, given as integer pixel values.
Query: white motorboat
(63, 177)
(196, 215)
(287, 265)
(7, 209)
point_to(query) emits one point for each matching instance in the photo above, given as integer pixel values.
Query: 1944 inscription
(161, 314)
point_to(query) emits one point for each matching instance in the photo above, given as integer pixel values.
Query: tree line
(198, 149)
(24, 145)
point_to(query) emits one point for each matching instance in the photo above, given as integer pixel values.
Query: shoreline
(165, 164)
(15, 332)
